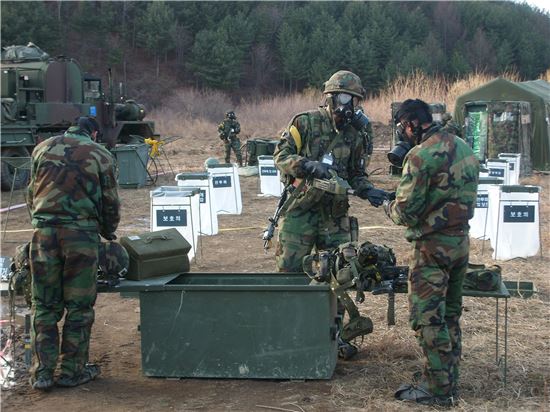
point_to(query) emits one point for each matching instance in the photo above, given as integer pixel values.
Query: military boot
(346, 350)
(88, 373)
(419, 393)
(42, 383)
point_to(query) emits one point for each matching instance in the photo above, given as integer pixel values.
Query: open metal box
(236, 325)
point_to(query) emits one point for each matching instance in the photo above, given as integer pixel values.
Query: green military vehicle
(41, 96)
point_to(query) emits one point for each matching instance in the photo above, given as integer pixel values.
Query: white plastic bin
(209, 217)
(270, 177)
(498, 168)
(515, 227)
(225, 188)
(179, 208)
(514, 166)
(483, 171)
(479, 224)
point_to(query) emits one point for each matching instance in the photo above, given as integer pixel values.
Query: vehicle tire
(8, 171)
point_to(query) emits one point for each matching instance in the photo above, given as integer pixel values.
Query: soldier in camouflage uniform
(73, 198)
(228, 131)
(435, 199)
(335, 137)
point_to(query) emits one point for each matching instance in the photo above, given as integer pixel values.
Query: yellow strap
(297, 138)
(155, 146)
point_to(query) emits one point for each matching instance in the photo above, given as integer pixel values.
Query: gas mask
(343, 106)
(403, 146)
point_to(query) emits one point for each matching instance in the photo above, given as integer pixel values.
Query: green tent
(508, 117)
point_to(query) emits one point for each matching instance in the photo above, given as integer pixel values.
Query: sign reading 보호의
(172, 217)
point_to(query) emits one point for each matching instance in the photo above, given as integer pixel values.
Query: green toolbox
(156, 253)
(237, 325)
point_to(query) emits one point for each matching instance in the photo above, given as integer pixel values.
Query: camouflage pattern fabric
(300, 231)
(73, 184)
(72, 197)
(435, 303)
(435, 200)
(344, 81)
(20, 268)
(235, 144)
(231, 141)
(438, 187)
(317, 219)
(504, 128)
(64, 271)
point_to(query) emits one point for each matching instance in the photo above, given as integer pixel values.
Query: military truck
(41, 96)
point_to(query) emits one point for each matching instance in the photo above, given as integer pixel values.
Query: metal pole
(9, 203)
(496, 340)
(498, 222)
(505, 339)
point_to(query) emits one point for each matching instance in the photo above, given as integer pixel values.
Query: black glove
(317, 169)
(375, 196)
(109, 236)
(391, 196)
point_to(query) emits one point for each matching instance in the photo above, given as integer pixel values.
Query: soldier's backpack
(482, 278)
(20, 273)
(113, 264)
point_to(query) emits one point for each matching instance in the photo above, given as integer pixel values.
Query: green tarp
(536, 93)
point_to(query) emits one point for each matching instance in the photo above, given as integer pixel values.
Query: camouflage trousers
(235, 144)
(300, 232)
(435, 302)
(64, 269)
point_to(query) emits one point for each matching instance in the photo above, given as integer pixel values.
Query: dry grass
(194, 113)
(197, 114)
(429, 89)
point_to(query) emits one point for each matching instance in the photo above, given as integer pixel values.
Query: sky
(541, 4)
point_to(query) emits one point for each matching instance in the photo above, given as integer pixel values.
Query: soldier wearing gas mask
(335, 138)
(434, 200)
(228, 131)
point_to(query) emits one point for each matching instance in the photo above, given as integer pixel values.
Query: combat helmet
(344, 81)
(230, 115)
(113, 259)
(211, 161)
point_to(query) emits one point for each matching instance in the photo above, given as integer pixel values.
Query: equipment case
(156, 253)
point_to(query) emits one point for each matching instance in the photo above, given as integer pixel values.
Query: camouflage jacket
(224, 129)
(317, 138)
(438, 186)
(73, 184)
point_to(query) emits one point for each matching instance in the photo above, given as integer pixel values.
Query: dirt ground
(387, 357)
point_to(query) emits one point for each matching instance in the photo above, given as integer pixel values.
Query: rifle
(228, 137)
(393, 279)
(334, 185)
(274, 220)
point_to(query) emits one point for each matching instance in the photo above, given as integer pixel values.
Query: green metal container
(259, 147)
(238, 325)
(131, 161)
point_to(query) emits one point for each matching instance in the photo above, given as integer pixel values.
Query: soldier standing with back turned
(435, 199)
(73, 199)
(228, 131)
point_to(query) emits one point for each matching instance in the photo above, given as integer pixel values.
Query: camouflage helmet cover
(113, 259)
(344, 81)
(230, 114)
